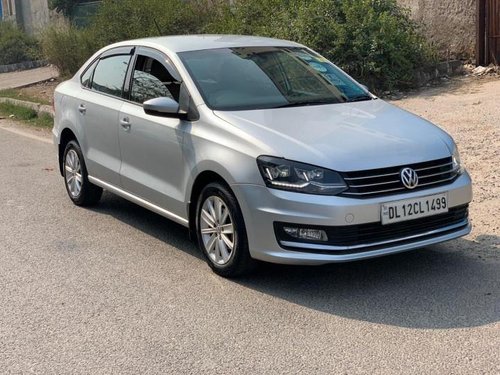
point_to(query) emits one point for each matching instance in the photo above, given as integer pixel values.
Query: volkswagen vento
(263, 148)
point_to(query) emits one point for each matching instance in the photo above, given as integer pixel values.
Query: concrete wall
(449, 24)
(8, 11)
(32, 15)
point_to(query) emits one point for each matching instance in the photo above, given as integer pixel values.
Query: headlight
(457, 164)
(298, 177)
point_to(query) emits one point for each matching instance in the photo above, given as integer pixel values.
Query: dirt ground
(43, 90)
(468, 108)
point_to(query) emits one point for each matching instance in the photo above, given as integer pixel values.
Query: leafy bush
(67, 47)
(15, 45)
(373, 40)
(126, 19)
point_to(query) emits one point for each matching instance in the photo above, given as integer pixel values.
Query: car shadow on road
(451, 285)
(147, 222)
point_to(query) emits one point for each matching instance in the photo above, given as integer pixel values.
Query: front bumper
(263, 207)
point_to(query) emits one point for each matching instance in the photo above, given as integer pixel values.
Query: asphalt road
(120, 290)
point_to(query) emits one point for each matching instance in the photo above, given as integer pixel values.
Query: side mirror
(165, 107)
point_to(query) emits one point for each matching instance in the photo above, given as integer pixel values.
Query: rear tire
(221, 232)
(80, 190)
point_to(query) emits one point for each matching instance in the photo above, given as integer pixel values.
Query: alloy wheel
(217, 230)
(73, 173)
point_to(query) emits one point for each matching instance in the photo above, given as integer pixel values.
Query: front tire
(221, 232)
(78, 186)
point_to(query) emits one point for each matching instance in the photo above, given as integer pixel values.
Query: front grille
(385, 181)
(372, 233)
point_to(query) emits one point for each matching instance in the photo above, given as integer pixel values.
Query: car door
(152, 165)
(99, 109)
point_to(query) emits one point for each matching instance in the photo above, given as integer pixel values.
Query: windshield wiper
(360, 98)
(306, 103)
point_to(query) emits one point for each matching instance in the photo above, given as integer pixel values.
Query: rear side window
(86, 78)
(109, 75)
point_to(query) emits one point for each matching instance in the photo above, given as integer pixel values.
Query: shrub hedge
(68, 47)
(373, 40)
(15, 45)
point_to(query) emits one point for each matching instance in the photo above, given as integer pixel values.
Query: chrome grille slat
(436, 174)
(380, 191)
(382, 181)
(438, 182)
(363, 178)
(437, 166)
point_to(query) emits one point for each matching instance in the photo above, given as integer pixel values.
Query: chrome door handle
(82, 109)
(125, 124)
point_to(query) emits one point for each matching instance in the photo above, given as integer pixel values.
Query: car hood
(346, 136)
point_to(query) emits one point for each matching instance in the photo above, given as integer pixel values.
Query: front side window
(268, 77)
(109, 75)
(152, 80)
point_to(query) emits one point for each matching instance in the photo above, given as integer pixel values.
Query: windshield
(268, 77)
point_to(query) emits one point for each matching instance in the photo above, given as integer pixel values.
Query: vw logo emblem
(409, 178)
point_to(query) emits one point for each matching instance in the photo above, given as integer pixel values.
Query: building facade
(450, 25)
(7, 10)
(31, 15)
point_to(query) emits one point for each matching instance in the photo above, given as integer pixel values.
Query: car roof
(183, 43)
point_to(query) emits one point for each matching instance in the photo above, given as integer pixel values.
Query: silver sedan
(263, 148)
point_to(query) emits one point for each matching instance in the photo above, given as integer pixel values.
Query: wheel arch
(202, 179)
(67, 135)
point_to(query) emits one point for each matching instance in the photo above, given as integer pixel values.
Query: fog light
(306, 233)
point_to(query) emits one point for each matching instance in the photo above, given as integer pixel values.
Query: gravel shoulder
(468, 108)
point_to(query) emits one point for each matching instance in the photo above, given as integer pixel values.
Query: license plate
(410, 209)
